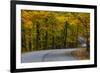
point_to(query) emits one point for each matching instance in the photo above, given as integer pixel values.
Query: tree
(41, 30)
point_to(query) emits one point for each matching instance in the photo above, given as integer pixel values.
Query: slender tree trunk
(77, 35)
(46, 40)
(37, 36)
(65, 35)
(53, 46)
(27, 43)
(53, 43)
(30, 43)
(23, 44)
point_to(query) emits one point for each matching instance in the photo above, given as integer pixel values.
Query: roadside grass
(81, 54)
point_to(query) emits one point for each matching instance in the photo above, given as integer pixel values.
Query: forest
(44, 30)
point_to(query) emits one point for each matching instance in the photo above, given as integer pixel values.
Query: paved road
(48, 55)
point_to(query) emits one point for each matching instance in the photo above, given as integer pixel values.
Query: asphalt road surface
(48, 55)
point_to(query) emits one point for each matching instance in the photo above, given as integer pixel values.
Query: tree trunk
(37, 36)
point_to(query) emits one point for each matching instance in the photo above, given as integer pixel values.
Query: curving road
(48, 55)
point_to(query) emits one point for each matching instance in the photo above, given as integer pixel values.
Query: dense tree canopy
(51, 30)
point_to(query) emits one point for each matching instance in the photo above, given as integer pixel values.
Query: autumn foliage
(43, 30)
